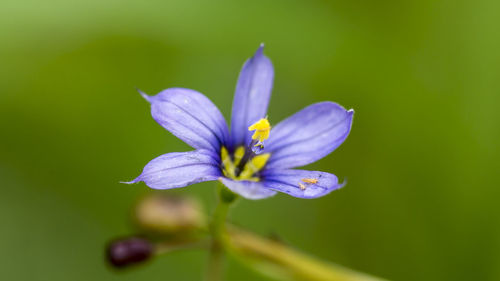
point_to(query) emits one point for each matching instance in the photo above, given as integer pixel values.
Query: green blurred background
(421, 161)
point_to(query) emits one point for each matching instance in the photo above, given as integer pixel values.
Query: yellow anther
(249, 171)
(254, 179)
(229, 167)
(254, 165)
(311, 181)
(261, 128)
(260, 161)
(302, 186)
(238, 154)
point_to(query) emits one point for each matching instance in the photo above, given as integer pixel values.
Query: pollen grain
(311, 181)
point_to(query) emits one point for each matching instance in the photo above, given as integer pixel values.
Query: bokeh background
(421, 161)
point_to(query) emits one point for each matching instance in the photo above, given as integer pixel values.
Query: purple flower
(253, 164)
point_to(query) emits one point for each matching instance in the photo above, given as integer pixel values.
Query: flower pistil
(261, 128)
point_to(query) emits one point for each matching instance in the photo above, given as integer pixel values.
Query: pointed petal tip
(130, 182)
(350, 116)
(260, 50)
(144, 95)
(341, 185)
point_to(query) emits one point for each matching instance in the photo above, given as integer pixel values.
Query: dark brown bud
(129, 251)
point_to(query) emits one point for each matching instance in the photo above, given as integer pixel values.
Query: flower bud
(169, 215)
(125, 252)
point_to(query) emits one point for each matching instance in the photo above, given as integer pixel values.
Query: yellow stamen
(229, 167)
(254, 165)
(238, 155)
(261, 128)
(251, 168)
(302, 186)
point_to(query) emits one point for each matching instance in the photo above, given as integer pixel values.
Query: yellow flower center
(245, 163)
(251, 167)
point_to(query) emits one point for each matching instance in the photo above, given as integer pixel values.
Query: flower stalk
(282, 262)
(265, 255)
(219, 234)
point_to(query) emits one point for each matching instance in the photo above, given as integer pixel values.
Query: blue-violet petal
(252, 95)
(300, 183)
(179, 169)
(308, 135)
(191, 117)
(248, 189)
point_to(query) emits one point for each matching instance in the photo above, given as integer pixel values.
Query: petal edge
(248, 189)
(179, 169)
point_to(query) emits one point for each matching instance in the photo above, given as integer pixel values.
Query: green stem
(285, 263)
(219, 235)
(215, 263)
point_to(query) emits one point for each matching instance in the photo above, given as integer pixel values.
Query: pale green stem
(219, 235)
(283, 262)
